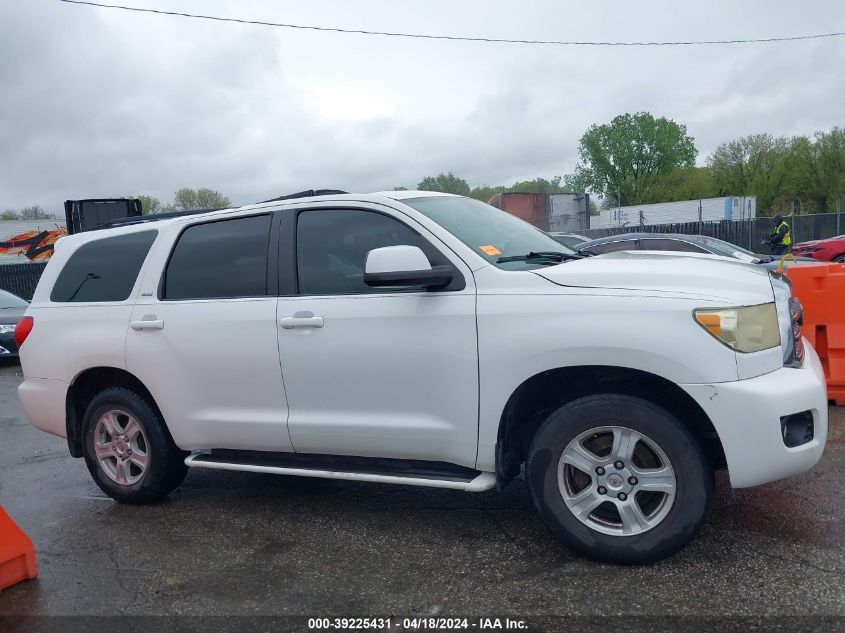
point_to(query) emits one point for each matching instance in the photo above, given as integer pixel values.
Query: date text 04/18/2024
(417, 623)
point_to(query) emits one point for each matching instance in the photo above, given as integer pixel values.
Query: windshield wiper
(553, 255)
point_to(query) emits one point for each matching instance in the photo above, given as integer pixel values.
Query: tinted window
(651, 244)
(332, 247)
(103, 270)
(219, 260)
(611, 247)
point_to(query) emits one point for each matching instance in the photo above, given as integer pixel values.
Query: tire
(138, 462)
(840, 258)
(669, 514)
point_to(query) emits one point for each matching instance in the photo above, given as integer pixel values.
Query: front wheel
(619, 479)
(840, 259)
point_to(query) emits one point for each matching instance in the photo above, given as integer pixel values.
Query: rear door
(203, 336)
(370, 372)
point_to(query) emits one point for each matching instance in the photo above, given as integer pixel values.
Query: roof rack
(153, 217)
(308, 193)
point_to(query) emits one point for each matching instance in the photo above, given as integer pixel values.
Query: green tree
(9, 214)
(829, 150)
(538, 185)
(794, 184)
(575, 182)
(445, 183)
(746, 166)
(621, 160)
(785, 174)
(485, 192)
(150, 205)
(187, 199)
(683, 184)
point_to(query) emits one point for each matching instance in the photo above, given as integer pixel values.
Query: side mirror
(403, 267)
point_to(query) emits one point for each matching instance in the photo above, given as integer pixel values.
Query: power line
(455, 37)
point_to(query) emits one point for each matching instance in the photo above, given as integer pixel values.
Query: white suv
(423, 339)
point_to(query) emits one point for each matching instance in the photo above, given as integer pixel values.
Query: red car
(829, 250)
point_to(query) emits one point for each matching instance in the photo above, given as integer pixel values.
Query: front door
(204, 338)
(375, 373)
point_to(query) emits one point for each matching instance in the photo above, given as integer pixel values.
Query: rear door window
(103, 270)
(225, 259)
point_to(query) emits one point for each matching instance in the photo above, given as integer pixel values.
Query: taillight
(22, 330)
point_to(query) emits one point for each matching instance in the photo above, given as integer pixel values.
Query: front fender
(522, 336)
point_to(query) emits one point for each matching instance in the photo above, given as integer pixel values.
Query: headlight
(745, 329)
(7, 329)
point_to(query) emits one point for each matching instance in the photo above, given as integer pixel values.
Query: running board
(386, 471)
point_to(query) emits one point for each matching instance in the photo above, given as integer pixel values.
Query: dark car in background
(681, 243)
(572, 240)
(829, 250)
(12, 309)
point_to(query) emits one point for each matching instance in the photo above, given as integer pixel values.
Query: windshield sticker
(490, 250)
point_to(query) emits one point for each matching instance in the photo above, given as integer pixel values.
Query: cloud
(100, 103)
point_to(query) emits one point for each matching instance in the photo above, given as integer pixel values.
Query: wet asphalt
(252, 544)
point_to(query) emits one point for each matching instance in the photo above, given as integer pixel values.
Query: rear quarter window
(103, 269)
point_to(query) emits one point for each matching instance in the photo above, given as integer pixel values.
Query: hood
(689, 275)
(837, 238)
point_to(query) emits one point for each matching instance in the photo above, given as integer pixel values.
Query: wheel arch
(531, 403)
(84, 387)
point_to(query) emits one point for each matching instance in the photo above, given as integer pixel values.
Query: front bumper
(746, 415)
(43, 402)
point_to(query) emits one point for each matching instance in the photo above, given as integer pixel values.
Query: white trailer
(707, 210)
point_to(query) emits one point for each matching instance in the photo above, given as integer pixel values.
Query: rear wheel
(619, 479)
(127, 448)
(840, 258)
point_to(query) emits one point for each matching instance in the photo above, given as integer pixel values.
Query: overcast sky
(99, 102)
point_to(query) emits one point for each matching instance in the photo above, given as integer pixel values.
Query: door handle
(147, 324)
(291, 322)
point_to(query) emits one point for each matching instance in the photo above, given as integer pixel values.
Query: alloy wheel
(616, 481)
(121, 447)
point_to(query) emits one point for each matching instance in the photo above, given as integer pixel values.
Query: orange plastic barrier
(821, 290)
(17, 557)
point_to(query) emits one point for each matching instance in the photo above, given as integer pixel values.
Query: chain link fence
(21, 279)
(748, 234)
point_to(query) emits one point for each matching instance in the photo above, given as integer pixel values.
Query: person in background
(780, 240)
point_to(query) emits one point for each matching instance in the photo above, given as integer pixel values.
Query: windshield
(722, 247)
(8, 300)
(492, 233)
